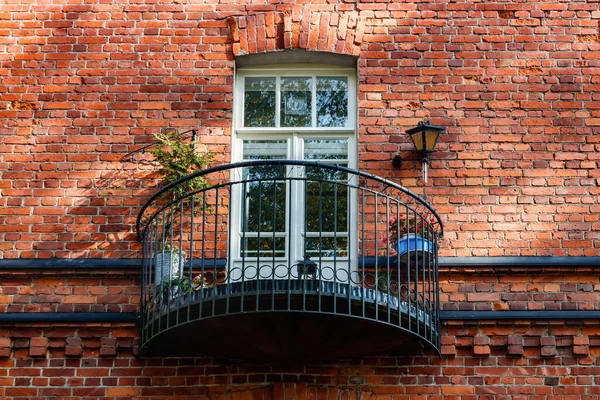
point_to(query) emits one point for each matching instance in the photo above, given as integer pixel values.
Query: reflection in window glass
(264, 209)
(332, 101)
(259, 102)
(266, 247)
(327, 207)
(317, 247)
(296, 102)
(326, 199)
(317, 149)
(265, 201)
(264, 150)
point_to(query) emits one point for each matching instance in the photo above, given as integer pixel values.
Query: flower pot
(414, 249)
(166, 263)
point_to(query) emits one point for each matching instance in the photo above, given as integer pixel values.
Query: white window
(294, 114)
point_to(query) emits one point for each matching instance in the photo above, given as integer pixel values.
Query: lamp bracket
(397, 161)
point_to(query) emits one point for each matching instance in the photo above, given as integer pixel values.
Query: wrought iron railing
(289, 236)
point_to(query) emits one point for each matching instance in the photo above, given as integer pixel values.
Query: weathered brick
(515, 350)
(548, 341)
(73, 347)
(481, 350)
(548, 351)
(38, 346)
(108, 346)
(581, 350)
(448, 350)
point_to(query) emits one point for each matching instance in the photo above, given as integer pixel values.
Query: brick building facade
(514, 178)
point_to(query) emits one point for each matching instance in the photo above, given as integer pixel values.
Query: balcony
(288, 261)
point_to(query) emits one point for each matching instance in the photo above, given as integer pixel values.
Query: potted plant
(167, 262)
(171, 288)
(410, 238)
(177, 158)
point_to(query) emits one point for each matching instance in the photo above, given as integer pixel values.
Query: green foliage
(171, 288)
(178, 159)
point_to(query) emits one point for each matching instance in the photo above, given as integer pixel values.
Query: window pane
(265, 150)
(322, 150)
(332, 101)
(296, 102)
(259, 102)
(264, 208)
(326, 247)
(267, 247)
(326, 207)
(315, 149)
(326, 198)
(265, 205)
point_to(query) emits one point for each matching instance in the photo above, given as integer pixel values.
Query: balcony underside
(288, 321)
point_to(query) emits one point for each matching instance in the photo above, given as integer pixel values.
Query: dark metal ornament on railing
(286, 254)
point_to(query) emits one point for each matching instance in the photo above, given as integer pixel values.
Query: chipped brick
(548, 351)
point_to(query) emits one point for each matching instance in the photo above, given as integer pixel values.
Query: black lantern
(424, 137)
(307, 267)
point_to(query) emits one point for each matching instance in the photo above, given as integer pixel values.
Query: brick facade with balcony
(514, 179)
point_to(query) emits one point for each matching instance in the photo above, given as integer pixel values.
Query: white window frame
(289, 71)
(295, 137)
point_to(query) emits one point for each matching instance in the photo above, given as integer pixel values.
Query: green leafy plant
(176, 156)
(172, 288)
(177, 159)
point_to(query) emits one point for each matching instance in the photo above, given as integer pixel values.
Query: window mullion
(300, 223)
(314, 101)
(277, 100)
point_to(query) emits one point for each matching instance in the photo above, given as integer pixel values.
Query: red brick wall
(482, 361)
(549, 291)
(64, 292)
(516, 83)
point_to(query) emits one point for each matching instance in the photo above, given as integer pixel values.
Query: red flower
(411, 224)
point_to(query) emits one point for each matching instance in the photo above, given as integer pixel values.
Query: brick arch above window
(297, 28)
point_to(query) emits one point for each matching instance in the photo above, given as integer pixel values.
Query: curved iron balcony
(278, 260)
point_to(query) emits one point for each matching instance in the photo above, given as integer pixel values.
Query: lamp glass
(417, 138)
(431, 137)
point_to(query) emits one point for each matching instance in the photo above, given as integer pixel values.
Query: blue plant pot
(414, 248)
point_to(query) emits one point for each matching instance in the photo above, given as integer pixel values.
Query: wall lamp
(424, 136)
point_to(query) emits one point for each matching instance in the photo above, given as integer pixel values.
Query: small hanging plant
(178, 158)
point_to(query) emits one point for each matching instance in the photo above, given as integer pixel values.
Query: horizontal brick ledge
(71, 263)
(68, 317)
(523, 315)
(522, 262)
(444, 263)
(444, 316)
